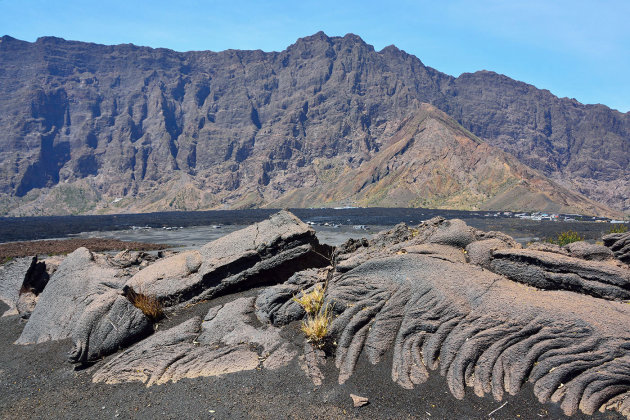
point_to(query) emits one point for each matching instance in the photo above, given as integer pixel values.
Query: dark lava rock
(479, 329)
(546, 270)
(275, 304)
(82, 301)
(480, 252)
(619, 244)
(410, 293)
(95, 334)
(482, 331)
(436, 236)
(548, 247)
(591, 252)
(264, 253)
(224, 342)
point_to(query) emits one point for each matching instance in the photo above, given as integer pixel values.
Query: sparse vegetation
(316, 327)
(312, 301)
(565, 238)
(4, 260)
(619, 228)
(148, 304)
(318, 316)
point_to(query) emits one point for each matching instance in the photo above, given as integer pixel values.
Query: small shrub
(565, 238)
(315, 327)
(619, 228)
(312, 301)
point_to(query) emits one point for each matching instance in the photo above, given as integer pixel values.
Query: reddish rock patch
(64, 246)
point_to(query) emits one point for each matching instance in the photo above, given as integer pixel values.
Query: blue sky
(579, 49)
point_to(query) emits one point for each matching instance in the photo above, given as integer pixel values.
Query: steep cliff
(91, 128)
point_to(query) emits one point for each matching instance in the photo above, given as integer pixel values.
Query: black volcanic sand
(37, 382)
(29, 228)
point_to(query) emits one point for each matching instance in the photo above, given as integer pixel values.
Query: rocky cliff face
(89, 128)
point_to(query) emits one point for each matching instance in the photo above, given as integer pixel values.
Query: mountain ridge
(431, 161)
(118, 121)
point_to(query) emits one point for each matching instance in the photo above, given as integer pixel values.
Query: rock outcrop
(221, 344)
(265, 253)
(619, 244)
(479, 329)
(82, 302)
(551, 271)
(88, 300)
(482, 331)
(12, 276)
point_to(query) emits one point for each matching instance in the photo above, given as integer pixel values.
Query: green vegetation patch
(565, 238)
(619, 228)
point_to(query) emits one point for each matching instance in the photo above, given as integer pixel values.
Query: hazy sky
(579, 49)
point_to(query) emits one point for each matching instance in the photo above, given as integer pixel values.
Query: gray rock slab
(109, 323)
(437, 237)
(264, 253)
(591, 252)
(547, 247)
(231, 324)
(149, 360)
(220, 344)
(76, 283)
(480, 252)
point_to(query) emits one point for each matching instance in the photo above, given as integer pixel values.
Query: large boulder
(82, 301)
(265, 253)
(619, 244)
(546, 270)
(110, 322)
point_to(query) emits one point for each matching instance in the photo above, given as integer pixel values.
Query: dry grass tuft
(312, 301)
(316, 327)
(148, 304)
(318, 317)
